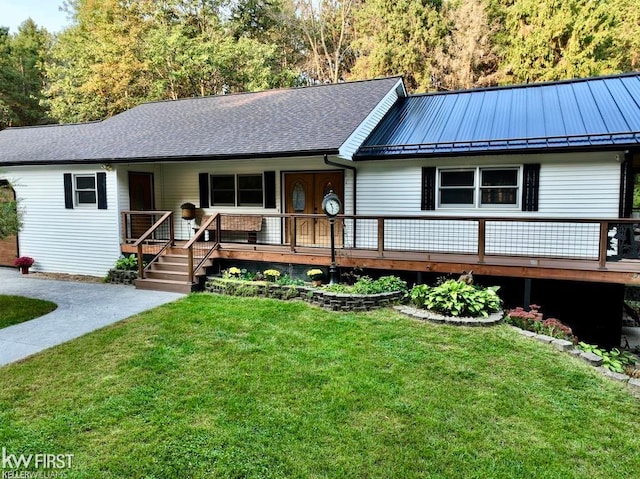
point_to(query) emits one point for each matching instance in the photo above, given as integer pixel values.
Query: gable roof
(594, 113)
(284, 122)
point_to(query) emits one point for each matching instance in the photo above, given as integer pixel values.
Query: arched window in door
(299, 198)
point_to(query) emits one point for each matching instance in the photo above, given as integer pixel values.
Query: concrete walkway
(82, 308)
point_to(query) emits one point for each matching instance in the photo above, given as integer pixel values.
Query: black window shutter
(626, 189)
(203, 180)
(269, 189)
(530, 187)
(102, 190)
(428, 188)
(68, 191)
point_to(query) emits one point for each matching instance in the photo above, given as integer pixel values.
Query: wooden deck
(601, 251)
(619, 272)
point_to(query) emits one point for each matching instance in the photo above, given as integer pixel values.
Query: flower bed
(325, 299)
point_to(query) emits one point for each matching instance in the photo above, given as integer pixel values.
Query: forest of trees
(119, 53)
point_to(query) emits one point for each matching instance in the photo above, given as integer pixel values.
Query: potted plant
(315, 275)
(24, 263)
(188, 211)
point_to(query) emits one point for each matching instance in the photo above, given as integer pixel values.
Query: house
(528, 181)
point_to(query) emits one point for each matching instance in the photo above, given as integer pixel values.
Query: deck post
(140, 262)
(172, 235)
(604, 239)
(190, 263)
(292, 233)
(381, 237)
(481, 239)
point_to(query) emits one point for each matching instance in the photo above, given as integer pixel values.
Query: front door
(304, 193)
(9, 245)
(140, 199)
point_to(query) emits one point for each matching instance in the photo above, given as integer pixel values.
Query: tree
(558, 39)
(466, 58)
(327, 26)
(22, 58)
(10, 217)
(398, 38)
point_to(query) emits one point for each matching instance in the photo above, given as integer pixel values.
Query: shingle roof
(596, 112)
(283, 122)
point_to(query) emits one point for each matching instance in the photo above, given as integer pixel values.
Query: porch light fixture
(106, 167)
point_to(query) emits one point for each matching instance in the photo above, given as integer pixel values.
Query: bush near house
(533, 320)
(457, 298)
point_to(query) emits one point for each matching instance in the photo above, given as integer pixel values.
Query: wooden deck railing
(596, 241)
(160, 235)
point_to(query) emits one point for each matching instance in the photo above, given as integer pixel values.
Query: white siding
(82, 240)
(177, 183)
(572, 186)
(351, 145)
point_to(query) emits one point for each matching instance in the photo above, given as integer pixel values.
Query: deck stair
(171, 273)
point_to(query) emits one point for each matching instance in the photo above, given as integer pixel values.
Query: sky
(46, 13)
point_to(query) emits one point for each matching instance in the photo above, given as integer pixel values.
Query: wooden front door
(140, 199)
(304, 193)
(9, 245)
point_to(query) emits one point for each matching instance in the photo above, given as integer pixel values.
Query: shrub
(127, 263)
(366, 285)
(614, 360)
(315, 274)
(455, 298)
(533, 320)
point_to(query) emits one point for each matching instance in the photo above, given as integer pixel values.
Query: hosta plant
(614, 360)
(456, 298)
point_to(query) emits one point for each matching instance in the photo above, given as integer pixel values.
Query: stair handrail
(139, 242)
(197, 237)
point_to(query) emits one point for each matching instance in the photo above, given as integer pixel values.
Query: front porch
(593, 250)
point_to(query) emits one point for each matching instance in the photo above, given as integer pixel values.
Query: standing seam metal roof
(594, 112)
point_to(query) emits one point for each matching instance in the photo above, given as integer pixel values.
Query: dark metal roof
(596, 113)
(285, 122)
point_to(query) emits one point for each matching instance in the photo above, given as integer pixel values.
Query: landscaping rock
(634, 384)
(544, 338)
(623, 378)
(562, 344)
(591, 358)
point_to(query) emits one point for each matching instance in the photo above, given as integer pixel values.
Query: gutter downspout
(328, 162)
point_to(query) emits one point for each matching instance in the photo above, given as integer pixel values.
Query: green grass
(225, 387)
(17, 309)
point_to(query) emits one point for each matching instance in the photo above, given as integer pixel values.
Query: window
(250, 190)
(499, 187)
(85, 191)
(457, 187)
(223, 190)
(237, 190)
(478, 187)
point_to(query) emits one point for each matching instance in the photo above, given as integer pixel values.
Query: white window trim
(478, 189)
(76, 190)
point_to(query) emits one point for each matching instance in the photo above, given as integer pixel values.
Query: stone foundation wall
(120, 276)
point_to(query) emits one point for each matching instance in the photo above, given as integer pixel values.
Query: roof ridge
(50, 125)
(269, 90)
(529, 85)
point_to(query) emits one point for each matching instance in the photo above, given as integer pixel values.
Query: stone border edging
(424, 314)
(588, 357)
(121, 276)
(325, 299)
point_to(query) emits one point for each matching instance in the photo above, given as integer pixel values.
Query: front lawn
(17, 309)
(214, 386)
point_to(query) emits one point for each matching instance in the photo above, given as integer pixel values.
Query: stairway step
(162, 266)
(165, 285)
(168, 275)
